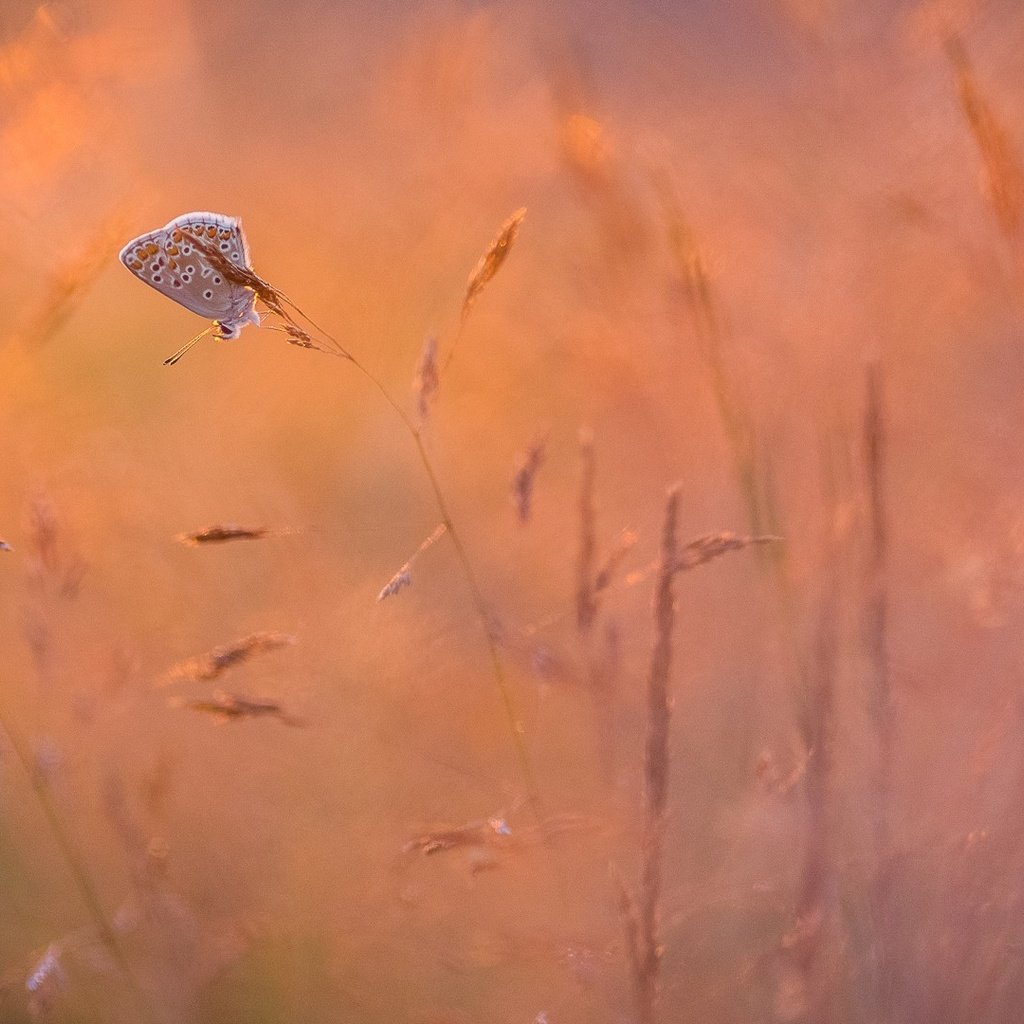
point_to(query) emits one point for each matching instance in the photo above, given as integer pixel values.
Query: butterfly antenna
(171, 360)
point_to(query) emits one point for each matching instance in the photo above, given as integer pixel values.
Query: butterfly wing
(168, 261)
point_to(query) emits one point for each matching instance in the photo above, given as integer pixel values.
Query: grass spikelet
(493, 831)
(276, 302)
(205, 667)
(45, 982)
(704, 549)
(231, 707)
(527, 465)
(714, 545)
(1003, 174)
(427, 378)
(219, 533)
(491, 261)
(54, 563)
(487, 266)
(403, 578)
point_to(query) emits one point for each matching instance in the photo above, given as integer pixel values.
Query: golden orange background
(732, 211)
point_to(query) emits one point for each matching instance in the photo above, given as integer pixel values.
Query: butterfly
(170, 261)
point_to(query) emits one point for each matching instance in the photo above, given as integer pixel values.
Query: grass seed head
(527, 465)
(212, 664)
(221, 532)
(427, 377)
(492, 259)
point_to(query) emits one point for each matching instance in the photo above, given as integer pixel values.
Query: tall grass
(863, 869)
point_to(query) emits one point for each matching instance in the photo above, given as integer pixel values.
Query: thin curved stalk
(476, 594)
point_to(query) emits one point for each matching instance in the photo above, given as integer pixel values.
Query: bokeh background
(763, 240)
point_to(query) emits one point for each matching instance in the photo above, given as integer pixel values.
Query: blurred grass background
(806, 175)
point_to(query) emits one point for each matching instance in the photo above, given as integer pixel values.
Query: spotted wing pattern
(169, 261)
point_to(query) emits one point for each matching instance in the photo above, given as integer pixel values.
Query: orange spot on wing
(172, 250)
(211, 232)
(177, 235)
(136, 264)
